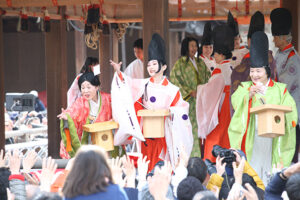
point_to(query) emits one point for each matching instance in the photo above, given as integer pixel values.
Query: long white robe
(164, 95)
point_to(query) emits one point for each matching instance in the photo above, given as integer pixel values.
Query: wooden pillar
(105, 54)
(293, 6)
(80, 50)
(155, 20)
(115, 46)
(2, 94)
(56, 80)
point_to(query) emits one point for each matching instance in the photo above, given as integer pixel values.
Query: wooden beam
(2, 94)
(155, 20)
(51, 3)
(241, 19)
(56, 78)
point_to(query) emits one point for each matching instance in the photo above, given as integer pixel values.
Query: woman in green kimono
(189, 72)
(262, 152)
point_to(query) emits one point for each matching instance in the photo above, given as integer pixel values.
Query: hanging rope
(121, 30)
(91, 39)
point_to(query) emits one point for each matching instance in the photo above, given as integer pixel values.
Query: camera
(211, 168)
(227, 154)
(20, 102)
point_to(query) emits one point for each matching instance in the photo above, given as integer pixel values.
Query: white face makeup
(259, 75)
(89, 91)
(153, 67)
(207, 50)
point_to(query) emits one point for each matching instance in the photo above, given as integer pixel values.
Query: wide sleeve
(238, 123)
(291, 78)
(123, 112)
(179, 76)
(207, 104)
(178, 129)
(73, 92)
(76, 113)
(284, 146)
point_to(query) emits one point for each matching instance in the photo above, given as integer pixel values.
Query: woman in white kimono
(213, 98)
(155, 93)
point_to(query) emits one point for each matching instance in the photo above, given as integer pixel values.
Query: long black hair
(88, 62)
(185, 47)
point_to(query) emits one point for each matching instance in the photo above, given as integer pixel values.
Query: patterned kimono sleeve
(292, 79)
(238, 123)
(205, 73)
(284, 146)
(69, 128)
(177, 77)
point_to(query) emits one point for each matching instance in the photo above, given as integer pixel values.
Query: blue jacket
(113, 192)
(275, 188)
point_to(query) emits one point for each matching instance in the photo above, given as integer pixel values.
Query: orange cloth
(68, 136)
(219, 136)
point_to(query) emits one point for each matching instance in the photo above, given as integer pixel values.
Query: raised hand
(63, 115)
(48, 170)
(116, 66)
(160, 181)
(292, 170)
(238, 171)
(220, 166)
(142, 167)
(29, 161)
(130, 172)
(116, 170)
(250, 193)
(14, 162)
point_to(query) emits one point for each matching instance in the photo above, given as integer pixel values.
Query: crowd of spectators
(91, 174)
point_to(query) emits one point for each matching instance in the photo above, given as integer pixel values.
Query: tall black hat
(207, 35)
(223, 40)
(281, 19)
(257, 23)
(157, 49)
(232, 23)
(259, 50)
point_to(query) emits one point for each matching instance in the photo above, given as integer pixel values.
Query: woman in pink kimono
(74, 92)
(92, 106)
